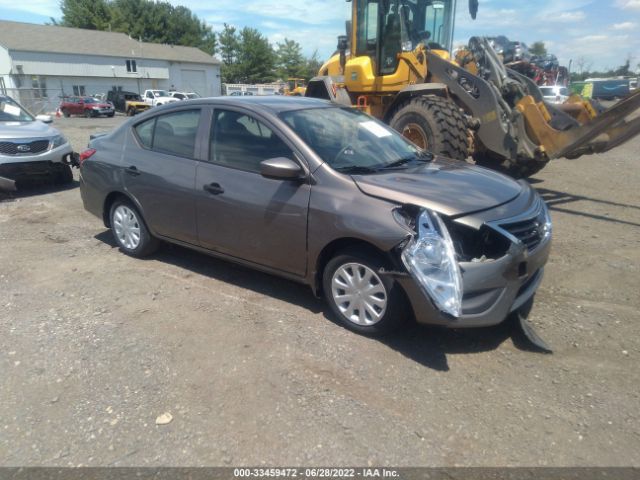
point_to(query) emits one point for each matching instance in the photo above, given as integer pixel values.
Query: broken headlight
(547, 226)
(431, 259)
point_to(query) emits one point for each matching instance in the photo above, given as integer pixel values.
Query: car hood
(26, 130)
(446, 186)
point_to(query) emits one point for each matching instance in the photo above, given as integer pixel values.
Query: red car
(87, 106)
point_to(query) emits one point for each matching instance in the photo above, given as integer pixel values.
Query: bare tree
(583, 65)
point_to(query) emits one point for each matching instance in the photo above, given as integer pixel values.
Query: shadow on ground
(34, 188)
(426, 345)
(559, 201)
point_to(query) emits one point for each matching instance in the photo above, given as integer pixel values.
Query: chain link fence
(35, 100)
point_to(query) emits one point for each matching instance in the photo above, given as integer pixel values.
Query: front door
(240, 212)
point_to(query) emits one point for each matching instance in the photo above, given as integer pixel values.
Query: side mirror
(280, 168)
(44, 118)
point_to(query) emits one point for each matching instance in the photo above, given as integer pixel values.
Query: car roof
(271, 103)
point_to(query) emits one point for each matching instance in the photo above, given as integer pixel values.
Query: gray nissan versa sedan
(327, 196)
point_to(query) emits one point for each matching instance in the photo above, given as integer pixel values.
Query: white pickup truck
(158, 97)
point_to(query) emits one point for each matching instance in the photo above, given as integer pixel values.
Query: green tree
(145, 20)
(256, 58)
(229, 47)
(623, 70)
(538, 48)
(290, 61)
(313, 64)
(89, 14)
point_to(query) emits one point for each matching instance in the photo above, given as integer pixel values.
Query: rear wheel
(360, 297)
(434, 124)
(129, 230)
(66, 113)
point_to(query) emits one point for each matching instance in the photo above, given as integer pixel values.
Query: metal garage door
(195, 81)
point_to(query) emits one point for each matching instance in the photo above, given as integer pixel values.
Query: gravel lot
(96, 345)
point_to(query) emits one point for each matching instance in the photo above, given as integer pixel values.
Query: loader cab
(385, 28)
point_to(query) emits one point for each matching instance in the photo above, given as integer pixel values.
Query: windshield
(351, 141)
(12, 111)
(90, 100)
(546, 91)
(160, 93)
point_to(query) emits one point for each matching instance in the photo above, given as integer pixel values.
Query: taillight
(86, 154)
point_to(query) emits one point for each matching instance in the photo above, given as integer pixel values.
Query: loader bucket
(604, 132)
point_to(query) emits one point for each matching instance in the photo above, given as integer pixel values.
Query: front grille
(530, 231)
(24, 148)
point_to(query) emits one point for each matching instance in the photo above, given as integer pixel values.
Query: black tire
(110, 115)
(131, 112)
(66, 113)
(64, 175)
(396, 311)
(88, 113)
(436, 120)
(147, 243)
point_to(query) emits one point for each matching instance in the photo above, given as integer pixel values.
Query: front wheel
(434, 124)
(361, 298)
(88, 114)
(129, 230)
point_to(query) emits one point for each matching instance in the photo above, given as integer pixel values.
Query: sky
(602, 33)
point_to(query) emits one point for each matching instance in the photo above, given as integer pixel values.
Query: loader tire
(434, 124)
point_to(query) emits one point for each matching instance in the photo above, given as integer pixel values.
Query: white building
(41, 63)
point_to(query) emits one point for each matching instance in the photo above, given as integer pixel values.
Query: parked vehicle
(606, 88)
(127, 102)
(184, 95)
(155, 98)
(555, 94)
(29, 147)
(325, 195)
(87, 106)
(516, 52)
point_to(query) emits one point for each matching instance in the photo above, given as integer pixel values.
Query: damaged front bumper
(492, 288)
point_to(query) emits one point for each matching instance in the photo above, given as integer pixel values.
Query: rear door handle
(214, 188)
(132, 171)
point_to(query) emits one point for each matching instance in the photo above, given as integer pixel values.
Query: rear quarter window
(144, 132)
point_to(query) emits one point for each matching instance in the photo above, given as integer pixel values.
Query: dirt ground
(96, 345)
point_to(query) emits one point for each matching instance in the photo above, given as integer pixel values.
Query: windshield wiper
(355, 169)
(420, 157)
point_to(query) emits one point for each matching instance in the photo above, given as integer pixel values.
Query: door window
(172, 133)
(242, 142)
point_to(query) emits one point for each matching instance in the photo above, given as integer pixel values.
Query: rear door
(159, 168)
(240, 212)
(74, 106)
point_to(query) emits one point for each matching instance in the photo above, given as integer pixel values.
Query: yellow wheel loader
(295, 87)
(395, 65)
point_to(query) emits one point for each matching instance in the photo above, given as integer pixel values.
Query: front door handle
(132, 170)
(214, 188)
